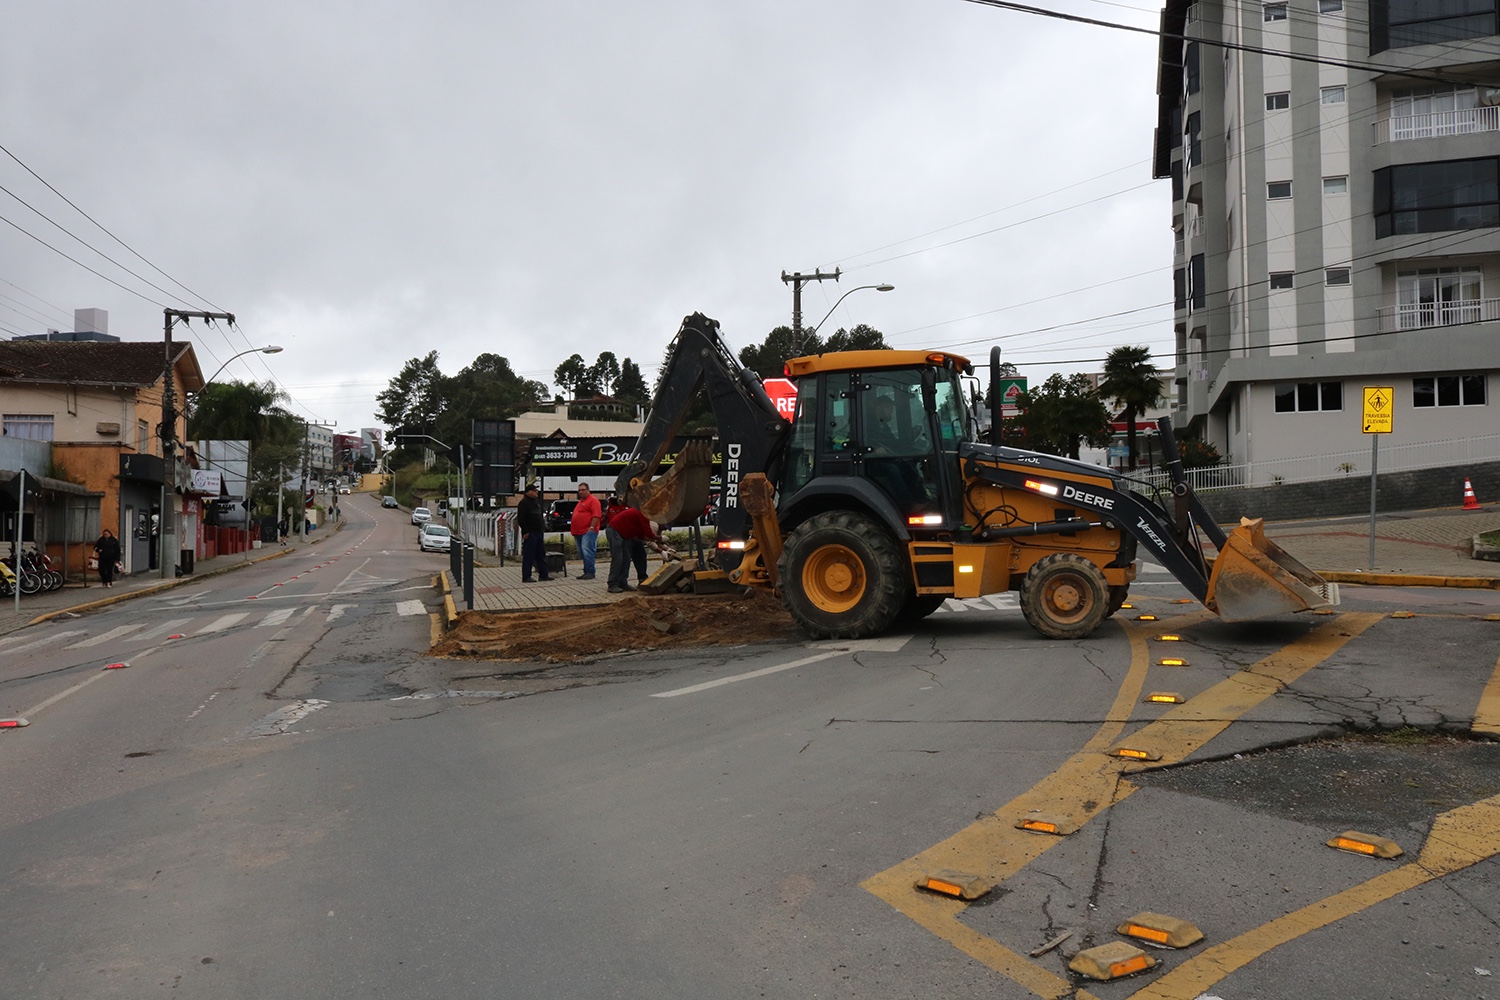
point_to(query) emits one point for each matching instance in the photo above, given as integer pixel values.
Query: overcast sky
(364, 182)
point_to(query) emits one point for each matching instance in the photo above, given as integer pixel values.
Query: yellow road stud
(1172, 661)
(1169, 637)
(1145, 618)
(1165, 698)
(959, 885)
(1158, 928)
(1051, 823)
(1111, 961)
(1402, 614)
(1135, 753)
(1367, 844)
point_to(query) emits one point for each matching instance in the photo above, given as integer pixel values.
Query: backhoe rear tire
(919, 606)
(1117, 596)
(1064, 596)
(843, 576)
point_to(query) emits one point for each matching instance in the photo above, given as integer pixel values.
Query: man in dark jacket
(529, 519)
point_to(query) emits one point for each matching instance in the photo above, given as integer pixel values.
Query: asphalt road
(293, 805)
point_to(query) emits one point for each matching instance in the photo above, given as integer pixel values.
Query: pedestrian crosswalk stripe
(50, 640)
(337, 611)
(114, 633)
(225, 622)
(990, 602)
(276, 618)
(410, 608)
(165, 628)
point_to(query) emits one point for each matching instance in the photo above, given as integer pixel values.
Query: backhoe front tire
(1065, 596)
(843, 576)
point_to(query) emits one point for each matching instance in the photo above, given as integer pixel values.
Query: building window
(1396, 24)
(1330, 6)
(1281, 280)
(1435, 197)
(1275, 12)
(1336, 276)
(27, 426)
(1335, 185)
(1439, 296)
(1279, 189)
(1194, 139)
(142, 437)
(1190, 68)
(1179, 287)
(1426, 112)
(1197, 282)
(1309, 397)
(1332, 95)
(1279, 101)
(1448, 390)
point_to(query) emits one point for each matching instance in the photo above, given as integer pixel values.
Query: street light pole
(167, 519)
(878, 288)
(797, 279)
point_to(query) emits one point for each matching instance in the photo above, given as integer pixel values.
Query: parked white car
(434, 538)
(420, 515)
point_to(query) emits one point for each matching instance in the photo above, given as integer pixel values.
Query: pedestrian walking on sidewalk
(107, 552)
(283, 528)
(529, 519)
(585, 528)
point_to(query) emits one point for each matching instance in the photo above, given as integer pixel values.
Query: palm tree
(1132, 381)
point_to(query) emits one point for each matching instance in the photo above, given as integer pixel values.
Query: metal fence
(1310, 468)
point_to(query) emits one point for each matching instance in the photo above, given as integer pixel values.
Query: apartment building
(1335, 170)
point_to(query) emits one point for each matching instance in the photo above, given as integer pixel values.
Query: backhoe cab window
(894, 441)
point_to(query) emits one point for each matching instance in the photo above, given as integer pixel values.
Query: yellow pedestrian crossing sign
(1379, 402)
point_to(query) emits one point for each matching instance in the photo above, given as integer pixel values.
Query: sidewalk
(77, 597)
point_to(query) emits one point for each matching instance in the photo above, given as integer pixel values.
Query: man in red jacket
(628, 531)
(585, 528)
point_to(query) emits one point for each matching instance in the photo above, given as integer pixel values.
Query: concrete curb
(181, 581)
(1410, 580)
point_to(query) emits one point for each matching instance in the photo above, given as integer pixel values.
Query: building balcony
(1425, 315)
(1437, 124)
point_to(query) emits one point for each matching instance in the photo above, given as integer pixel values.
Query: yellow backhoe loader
(877, 502)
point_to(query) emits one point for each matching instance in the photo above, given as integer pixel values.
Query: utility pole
(167, 520)
(797, 280)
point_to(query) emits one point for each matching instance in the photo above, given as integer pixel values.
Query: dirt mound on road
(632, 624)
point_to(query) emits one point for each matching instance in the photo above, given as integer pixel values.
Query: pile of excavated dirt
(632, 624)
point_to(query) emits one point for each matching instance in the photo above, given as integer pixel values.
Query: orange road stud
(16, 723)
(1158, 928)
(116, 666)
(1052, 823)
(959, 885)
(1367, 844)
(1111, 961)
(1135, 753)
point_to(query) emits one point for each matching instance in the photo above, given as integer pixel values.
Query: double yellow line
(1092, 781)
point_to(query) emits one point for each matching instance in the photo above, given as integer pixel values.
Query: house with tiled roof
(98, 405)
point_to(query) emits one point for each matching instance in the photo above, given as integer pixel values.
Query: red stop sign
(783, 392)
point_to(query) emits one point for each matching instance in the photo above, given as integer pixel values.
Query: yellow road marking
(1487, 715)
(1088, 783)
(1461, 837)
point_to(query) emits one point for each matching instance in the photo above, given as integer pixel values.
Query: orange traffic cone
(1471, 502)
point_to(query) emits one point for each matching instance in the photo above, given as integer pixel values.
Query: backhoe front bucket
(1253, 577)
(678, 497)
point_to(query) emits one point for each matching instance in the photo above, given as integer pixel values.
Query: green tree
(1131, 381)
(487, 389)
(604, 373)
(767, 358)
(861, 338)
(575, 378)
(240, 411)
(415, 397)
(632, 387)
(1062, 414)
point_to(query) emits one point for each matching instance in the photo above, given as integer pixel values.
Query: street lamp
(268, 349)
(860, 288)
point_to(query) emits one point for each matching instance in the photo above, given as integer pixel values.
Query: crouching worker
(628, 532)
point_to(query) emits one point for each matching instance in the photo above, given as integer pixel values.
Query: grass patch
(1491, 539)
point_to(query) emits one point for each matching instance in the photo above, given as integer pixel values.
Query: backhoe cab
(877, 503)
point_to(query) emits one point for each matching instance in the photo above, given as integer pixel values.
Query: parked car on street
(389, 502)
(560, 514)
(420, 515)
(434, 538)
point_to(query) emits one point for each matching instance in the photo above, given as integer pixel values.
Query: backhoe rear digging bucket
(678, 497)
(1253, 577)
